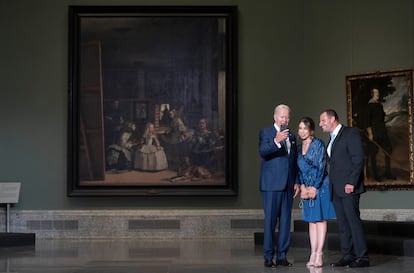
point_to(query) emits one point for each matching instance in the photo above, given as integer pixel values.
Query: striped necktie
(288, 144)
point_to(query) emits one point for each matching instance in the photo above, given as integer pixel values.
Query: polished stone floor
(169, 256)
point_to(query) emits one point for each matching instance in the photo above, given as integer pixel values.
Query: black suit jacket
(346, 162)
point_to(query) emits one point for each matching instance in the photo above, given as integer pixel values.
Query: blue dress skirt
(320, 208)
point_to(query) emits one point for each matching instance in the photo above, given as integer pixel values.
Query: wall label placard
(9, 192)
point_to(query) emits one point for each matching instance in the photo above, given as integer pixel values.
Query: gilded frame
(395, 89)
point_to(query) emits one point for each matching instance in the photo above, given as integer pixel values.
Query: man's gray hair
(281, 106)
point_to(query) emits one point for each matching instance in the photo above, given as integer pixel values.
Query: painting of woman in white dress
(151, 156)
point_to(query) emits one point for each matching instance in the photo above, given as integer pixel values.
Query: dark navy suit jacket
(278, 168)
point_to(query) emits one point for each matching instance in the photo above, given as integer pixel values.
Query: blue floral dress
(312, 172)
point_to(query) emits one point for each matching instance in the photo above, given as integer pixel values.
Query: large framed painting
(152, 101)
(380, 106)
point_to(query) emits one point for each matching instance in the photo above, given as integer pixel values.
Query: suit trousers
(351, 231)
(277, 205)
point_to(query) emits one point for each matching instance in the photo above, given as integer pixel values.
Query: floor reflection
(169, 256)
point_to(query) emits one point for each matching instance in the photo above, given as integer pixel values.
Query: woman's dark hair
(309, 123)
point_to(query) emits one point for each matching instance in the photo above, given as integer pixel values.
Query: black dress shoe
(341, 262)
(269, 263)
(359, 263)
(283, 262)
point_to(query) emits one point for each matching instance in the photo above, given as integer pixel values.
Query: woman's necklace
(305, 145)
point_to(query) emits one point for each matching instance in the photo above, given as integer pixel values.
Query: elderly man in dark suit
(277, 148)
(346, 161)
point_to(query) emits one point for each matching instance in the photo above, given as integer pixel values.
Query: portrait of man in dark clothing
(378, 136)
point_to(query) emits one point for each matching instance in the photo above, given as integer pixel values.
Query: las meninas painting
(152, 108)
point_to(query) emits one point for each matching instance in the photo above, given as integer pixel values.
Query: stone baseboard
(157, 224)
(161, 224)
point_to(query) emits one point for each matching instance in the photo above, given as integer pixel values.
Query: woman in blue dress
(315, 200)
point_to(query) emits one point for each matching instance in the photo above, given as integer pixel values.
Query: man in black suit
(346, 161)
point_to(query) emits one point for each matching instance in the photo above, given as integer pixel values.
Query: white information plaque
(9, 192)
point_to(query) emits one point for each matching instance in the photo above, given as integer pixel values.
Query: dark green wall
(294, 52)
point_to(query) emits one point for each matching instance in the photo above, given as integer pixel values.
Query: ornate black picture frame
(152, 101)
(380, 105)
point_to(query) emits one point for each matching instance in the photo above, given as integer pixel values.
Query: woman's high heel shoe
(318, 260)
(311, 261)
